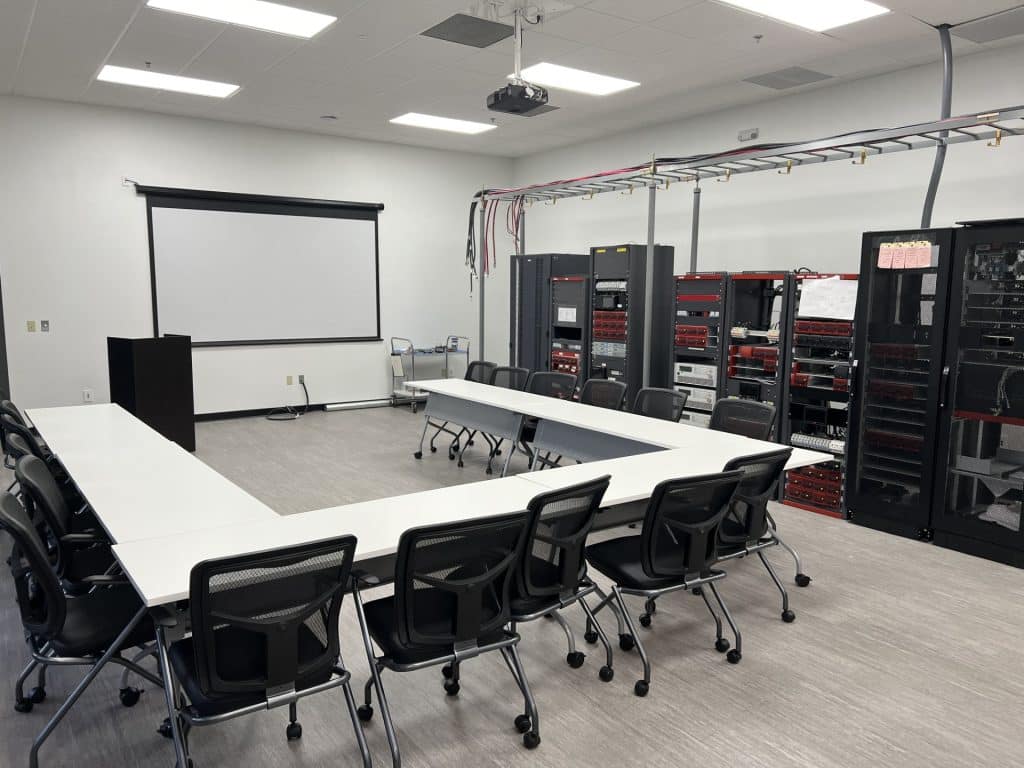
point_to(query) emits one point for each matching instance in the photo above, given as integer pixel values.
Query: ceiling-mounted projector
(519, 97)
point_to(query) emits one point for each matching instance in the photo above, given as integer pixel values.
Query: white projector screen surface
(240, 277)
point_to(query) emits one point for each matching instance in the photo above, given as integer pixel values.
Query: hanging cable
(288, 413)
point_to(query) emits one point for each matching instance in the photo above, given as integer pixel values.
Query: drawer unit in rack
(698, 374)
(697, 398)
(694, 419)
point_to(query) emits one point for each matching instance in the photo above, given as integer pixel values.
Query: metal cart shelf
(404, 355)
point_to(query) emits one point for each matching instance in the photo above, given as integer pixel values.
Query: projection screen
(233, 269)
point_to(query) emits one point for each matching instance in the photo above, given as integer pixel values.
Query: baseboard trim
(218, 415)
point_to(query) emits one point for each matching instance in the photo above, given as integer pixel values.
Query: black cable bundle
(288, 413)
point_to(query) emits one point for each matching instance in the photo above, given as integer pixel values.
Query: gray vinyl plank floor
(902, 653)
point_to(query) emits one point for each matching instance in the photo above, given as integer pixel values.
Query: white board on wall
(247, 277)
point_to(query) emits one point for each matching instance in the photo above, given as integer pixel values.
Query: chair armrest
(104, 579)
(163, 617)
(364, 580)
(84, 538)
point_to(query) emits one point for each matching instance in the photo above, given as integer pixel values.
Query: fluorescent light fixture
(145, 78)
(569, 79)
(815, 15)
(257, 14)
(419, 120)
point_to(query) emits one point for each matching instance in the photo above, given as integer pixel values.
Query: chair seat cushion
(94, 620)
(240, 656)
(380, 620)
(621, 561)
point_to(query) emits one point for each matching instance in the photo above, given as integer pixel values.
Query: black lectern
(152, 379)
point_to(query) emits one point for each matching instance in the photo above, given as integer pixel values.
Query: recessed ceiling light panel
(258, 14)
(418, 120)
(815, 15)
(145, 78)
(578, 80)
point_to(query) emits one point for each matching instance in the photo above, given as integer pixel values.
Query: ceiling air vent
(790, 77)
(995, 27)
(470, 30)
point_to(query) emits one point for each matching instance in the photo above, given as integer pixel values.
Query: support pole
(481, 266)
(695, 228)
(515, 278)
(940, 150)
(652, 192)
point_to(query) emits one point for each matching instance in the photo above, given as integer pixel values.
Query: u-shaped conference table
(166, 511)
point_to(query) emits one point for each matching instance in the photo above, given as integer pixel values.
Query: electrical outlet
(31, 326)
(44, 326)
(302, 379)
(87, 395)
(287, 379)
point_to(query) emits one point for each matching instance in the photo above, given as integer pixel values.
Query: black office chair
(749, 528)
(604, 393)
(14, 448)
(507, 377)
(13, 425)
(743, 417)
(548, 384)
(90, 630)
(264, 634)
(479, 371)
(675, 550)
(658, 403)
(78, 546)
(8, 408)
(452, 602)
(553, 571)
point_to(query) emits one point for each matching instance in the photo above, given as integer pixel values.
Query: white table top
(139, 484)
(160, 568)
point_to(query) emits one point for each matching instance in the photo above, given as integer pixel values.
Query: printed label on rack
(885, 255)
(919, 255)
(567, 314)
(899, 256)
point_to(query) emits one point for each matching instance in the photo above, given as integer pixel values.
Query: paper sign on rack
(885, 255)
(829, 297)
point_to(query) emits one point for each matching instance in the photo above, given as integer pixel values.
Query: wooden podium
(152, 379)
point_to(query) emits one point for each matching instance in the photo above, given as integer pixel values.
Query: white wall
(74, 245)
(815, 216)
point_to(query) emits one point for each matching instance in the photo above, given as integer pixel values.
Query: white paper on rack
(829, 297)
(567, 314)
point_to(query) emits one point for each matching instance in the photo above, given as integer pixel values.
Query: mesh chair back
(749, 508)
(559, 521)
(743, 417)
(510, 378)
(552, 384)
(40, 598)
(604, 393)
(452, 581)
(660, 403)
(10, 426)
(480, 371)
(42, 494)
(681, 524)
(284, 603)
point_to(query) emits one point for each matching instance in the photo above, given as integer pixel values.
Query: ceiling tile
(643, 39)
(168, 41)
(239, 54)
(950, 11)
(640, 10)
(585, 26)
(14, 25)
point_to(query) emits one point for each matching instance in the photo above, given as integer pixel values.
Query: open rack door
(980, 486)
(898, 330)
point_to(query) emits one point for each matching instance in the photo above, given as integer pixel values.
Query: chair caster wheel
(23, 706)
(606, 674)
(446, 671)
(645, 620)
(802, 579)
(733, 656)
(641, 688)
(294, 731)
(488, 471)
(418, 455)
(164, 729)
(788, 616)
(575, 660)
(461, 465)
(451, 688)
(626, 642)
(365, 713)
(722, 645)
(531, 740)
(523, 723)
(697, 591)
(591, 637)
(129, 696)
(188, 764)
(497, 453)
(433, 449)
(470, 443)
(37, 695)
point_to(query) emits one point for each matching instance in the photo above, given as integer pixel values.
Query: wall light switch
(31, 326)
(44, 326)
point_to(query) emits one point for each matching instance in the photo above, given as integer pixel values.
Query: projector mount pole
(518, 47)
(940, 149)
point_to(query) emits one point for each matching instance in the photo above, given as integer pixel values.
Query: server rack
(820, 359)
(698, 339)
(759, 309)
(618, 331)
(898, 379)
(546, 291)
(979, 487)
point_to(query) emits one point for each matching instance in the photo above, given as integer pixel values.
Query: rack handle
(944, 388)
